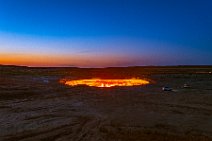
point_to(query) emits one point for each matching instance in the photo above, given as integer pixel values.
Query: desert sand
(34, 106)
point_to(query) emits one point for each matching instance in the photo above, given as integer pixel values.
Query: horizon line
(131, 66)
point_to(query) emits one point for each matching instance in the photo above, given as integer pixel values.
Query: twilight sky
(102, 33)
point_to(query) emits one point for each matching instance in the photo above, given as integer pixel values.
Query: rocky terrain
(35, 106)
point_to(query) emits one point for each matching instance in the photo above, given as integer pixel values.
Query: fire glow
(106, 82)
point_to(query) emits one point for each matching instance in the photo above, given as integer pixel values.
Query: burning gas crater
(105, 82)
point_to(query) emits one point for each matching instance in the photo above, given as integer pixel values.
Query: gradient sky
(102, 33)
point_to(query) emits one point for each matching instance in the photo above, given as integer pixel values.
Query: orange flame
(106, 82)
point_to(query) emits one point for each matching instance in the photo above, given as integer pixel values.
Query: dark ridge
(13, 66)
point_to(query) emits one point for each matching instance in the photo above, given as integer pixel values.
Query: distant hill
(12, 66)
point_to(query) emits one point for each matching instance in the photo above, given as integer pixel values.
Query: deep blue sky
(127, 32)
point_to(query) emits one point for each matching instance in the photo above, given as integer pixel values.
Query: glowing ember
(106, 82)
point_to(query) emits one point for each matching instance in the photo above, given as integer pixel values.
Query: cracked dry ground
(32, 109)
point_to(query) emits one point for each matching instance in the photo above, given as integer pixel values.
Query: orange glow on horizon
(37, 60)
(30, 59)
(94, 82)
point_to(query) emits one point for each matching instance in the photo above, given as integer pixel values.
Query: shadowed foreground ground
(34, 106)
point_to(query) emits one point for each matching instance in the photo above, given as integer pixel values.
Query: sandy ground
(34, 106)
